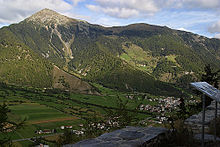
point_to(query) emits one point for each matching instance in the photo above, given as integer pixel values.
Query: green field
(33, 112)
(50, 109)
(22, 144)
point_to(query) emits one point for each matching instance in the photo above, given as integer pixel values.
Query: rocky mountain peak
(47, 16)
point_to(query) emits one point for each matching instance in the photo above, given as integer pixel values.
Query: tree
(212, 78)
(121, 117)
(6, 126)
(67, 137)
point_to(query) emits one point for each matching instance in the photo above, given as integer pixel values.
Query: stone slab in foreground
(127, 137)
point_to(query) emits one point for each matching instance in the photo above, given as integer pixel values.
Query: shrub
(212, 127)
(181, 135)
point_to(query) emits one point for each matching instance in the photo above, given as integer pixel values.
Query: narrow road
(24, 139)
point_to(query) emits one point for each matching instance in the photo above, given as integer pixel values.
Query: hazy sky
(197, 16)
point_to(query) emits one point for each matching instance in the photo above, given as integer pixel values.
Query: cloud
(12, 11)
(140, 8)
(115, 11)
(203, 4)
(124, 8)
(76, 16)
(215, 28)
(183, 29)
(75, 2)
(107, 22)
(188, 4)
(217, 36)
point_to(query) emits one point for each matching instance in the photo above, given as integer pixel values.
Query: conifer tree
(6, 125)
(212, 78)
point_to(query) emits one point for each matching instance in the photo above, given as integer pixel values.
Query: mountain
(137, 57)
(20, 64)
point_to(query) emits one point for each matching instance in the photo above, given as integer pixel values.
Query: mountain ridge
(137, 57)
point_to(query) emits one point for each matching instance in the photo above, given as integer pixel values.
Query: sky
(198, 16)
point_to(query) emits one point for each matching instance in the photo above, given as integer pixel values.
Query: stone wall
(195, 121)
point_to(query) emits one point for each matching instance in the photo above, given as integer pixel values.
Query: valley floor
(47, 112)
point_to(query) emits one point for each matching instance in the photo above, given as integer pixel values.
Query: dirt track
(53, 120)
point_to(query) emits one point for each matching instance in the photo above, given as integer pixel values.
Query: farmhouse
(45, 131)
(67, 127)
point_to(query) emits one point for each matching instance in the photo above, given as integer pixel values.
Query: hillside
(66, 81)
(137, 57)
(21, 65)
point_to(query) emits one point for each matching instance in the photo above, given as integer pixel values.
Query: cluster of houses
(45, 131)
(8, 127)
(163, 105)
(49, 131)
(66, 127)
(106, 125)
(77, 132)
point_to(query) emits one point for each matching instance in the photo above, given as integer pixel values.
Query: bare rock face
(48, 17)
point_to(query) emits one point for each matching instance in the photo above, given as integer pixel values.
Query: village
(163, 106)
(53, 131)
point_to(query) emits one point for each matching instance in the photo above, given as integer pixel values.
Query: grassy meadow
(48, 110)
(51, 108)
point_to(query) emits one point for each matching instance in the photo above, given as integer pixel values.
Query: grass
(69, 82)
(35, 112)
(52, 125)
(139, 58)
(22, 144)
(125, 57)
(26, 132)
(172, 58)
(41, 108)
(106, 91)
